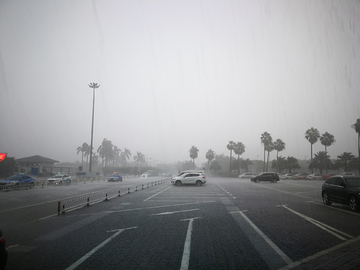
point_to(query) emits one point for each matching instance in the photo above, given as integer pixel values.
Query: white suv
(189, 178)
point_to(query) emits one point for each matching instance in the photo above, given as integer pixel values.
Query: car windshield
(57, 176)
(353, 182)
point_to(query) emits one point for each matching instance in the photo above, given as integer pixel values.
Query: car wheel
(325, 197)
(198, 183)
(32, 185)
(353, 203)
(178, 183)
(257, 180)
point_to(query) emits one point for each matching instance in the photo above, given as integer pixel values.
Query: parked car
(59, 179)
(342, 189)
(16, 181)
(116, 177)
(3, 252)
(348, 174)
(246, 175)
(288, 176)
(300, 176)
(266, 176)
(189, 178)
(314, 176)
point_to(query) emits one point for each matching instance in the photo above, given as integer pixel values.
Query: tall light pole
(93, 86)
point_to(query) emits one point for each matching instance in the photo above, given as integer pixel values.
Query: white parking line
(187, 245)
(90, 253)
(157, 194)
(174, 212)
(321, 225)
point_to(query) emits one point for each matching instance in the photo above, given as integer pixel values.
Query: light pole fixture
(93, 86)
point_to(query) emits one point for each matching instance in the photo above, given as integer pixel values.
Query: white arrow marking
(174, 212)
(88, 255)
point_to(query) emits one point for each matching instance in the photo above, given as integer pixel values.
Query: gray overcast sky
(174, 74)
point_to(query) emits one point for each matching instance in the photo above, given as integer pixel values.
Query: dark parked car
(266, 176)
(3, 252)
(19, 180)
(342, 189)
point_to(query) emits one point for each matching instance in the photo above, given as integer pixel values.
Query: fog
(174, 74)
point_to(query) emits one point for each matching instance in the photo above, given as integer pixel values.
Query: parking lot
(226, 223)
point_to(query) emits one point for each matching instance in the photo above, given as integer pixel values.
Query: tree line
(320, 160)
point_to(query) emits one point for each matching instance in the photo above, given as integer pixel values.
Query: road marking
(186, 253)
(321, 253)
(157, 193)
(321, 225)
(90, 253)
(174, 212)
(267, 239)
(335, 208)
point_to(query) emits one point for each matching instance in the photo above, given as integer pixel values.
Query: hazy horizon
(176, 74)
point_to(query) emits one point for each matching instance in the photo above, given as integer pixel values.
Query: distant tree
(124, 156)
(344, 160)
(356, 127)
(139, 158)
(210, 155)
(106, 152)
(312, 135)
(266, 141)
(245, 164)
(215, 166)
(279, 163)
(279, 146)
(187, 165)
(239, 149)
(7, 166)
(292, 163)
(230, 146)
(321, 161)
(83, 149)
(327, 140)
(193, 154)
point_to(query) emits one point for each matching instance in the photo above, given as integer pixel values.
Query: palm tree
(105, 151)
(312, 135)
(266, 140)
(280, 164)
(193, 153)
(116, 154)
(327, 139)
(321, 160)
(292, 163)
(210, 155)
(344, 160)
(139, 158)
(279, 146)
(239, 149)
(230, 146)
(82, 149)
(269, 148)
(356, 126)
(124, 156)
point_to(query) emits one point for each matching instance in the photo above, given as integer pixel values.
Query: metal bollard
(119, 193)
(88, 201)
(128, 190)
(106, 197)
(63, 210)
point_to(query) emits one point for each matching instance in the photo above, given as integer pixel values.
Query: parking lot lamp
(93, 86)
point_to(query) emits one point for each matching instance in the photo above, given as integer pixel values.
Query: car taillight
(2, 241)
(203, 177)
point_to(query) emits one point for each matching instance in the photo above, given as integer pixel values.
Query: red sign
(2, 156)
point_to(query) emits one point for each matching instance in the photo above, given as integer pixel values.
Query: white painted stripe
(90, 253)
(186, 253)
(321, 225)
(267, 239)
(157, 193)
(174, 212)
